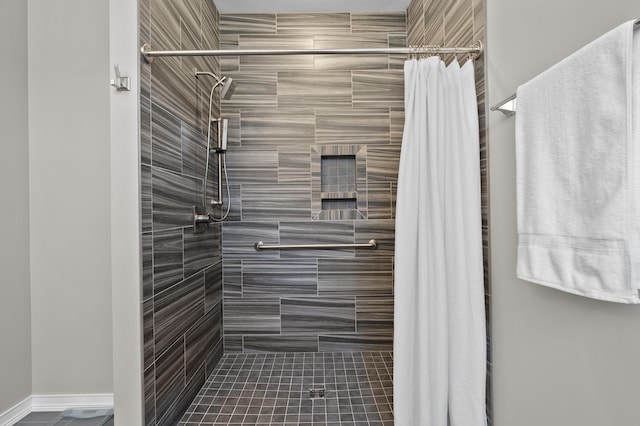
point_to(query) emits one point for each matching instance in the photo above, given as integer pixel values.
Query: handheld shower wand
(228, 86)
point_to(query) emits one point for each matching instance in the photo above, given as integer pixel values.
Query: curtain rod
(475, 50)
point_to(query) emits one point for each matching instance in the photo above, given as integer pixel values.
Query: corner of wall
(15, 293)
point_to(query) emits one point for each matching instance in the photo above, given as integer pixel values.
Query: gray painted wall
(559, 359)
(15, 304)
(70, 196)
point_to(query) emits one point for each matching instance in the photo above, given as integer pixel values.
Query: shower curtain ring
(414, 52)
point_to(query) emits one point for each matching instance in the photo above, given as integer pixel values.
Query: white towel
(578, 171)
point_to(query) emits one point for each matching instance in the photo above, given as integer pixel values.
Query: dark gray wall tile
(183, 399)
(177, 309)
(229, 42)
(294, 165)
(148, 337)
(146, 199)
(313, 23)
(351, 41)
(378, 87)
(379, 198)
(288, 343)
(200, 339)
(318, 314)
(355, 342)
(147, 266)
(288, 62)
(174, 196)
(165, 25)
(232, 344)
(252, 166)
(386, 22)
(274, 167)
(396, 126)
(254, 85)
(317, 232)
(396, 62)
(175, 89)
(248, 24)
(149, 375)
(201, 249)
(275, 127)
(210, 25)
(394, 194)
(479, 20)
(253, 90)
(252, 316)
(168, 263)
(459, 19)
(169, 377)
(165, 137)
(213, 286)
(276, 202)
(361, 276)
(374, 314)
(239, 239)
(353, 126)
(145, 117)
(194, 152)
(382, 163)
(232, 270)
(279, 277)
(174, 105)
(383, 231)
(434, 23)
(214, 354)
(318, 88)
(415, 23)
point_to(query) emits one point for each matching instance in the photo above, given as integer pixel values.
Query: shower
(227, 87)
(227, 83)
(305, 325)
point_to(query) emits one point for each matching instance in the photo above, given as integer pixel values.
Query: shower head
(227, 83)
(228, 87)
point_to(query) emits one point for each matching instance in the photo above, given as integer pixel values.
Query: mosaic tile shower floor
(273, 389)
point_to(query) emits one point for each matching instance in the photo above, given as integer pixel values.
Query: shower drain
(317, 393)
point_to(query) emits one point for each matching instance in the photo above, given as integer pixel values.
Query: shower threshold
(277, 389)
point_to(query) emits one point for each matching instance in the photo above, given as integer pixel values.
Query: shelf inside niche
(352, 195)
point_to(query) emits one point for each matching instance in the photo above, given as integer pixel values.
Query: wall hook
(121, 83)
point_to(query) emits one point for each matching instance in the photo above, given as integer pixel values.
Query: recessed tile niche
(339, 182)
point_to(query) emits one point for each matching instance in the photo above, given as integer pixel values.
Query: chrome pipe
(372, 244)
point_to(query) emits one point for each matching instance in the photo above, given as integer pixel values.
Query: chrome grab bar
(372, 244)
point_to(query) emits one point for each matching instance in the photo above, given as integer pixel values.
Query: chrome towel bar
(372, 244)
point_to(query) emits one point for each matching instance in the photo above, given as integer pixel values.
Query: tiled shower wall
(461, 23)
(182, 282)
(287, 113)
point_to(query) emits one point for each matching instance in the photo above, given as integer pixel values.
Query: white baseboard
(63, 402)
(15, 413)
(54, 403)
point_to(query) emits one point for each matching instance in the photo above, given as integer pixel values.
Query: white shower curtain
(439, 328)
